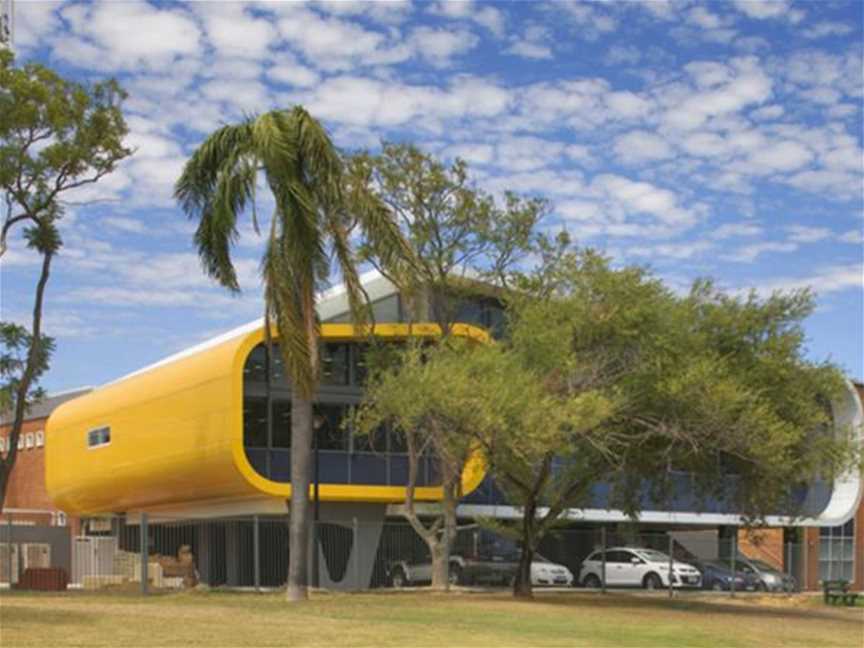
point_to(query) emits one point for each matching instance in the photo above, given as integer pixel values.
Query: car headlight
(771, 578)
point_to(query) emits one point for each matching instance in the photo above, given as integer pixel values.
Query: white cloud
(334, 44)
(527, 49)
(289, 71)
(763, 9)
(747, 84)
(677, 251)
(827, 28)
(124, 224)
(768, 112)
(636, 197)
(439, 46)
(641, 146)
(730, 230)
(628, 104)
(233, 31)
(749, 253)
(486, 16)
(830, 279)
(702, 17)
(805, 234)
(127, 34)
(592, 21)
(855, 236)
(372, 102)
(623, 55)
(779, 156)
(33, 21)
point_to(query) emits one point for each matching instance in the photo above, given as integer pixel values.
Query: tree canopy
(607, 376)
(55, 136)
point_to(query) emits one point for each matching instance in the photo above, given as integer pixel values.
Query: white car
(545, 572)
(634, 567)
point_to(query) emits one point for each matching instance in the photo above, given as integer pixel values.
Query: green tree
(317, 208)
(55, 136)
(608, 376)
(457, 235)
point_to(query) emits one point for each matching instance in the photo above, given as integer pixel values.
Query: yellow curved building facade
(176, 435)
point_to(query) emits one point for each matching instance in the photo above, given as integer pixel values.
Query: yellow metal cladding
(177, 435)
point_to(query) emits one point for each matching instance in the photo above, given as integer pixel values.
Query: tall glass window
(837, 552)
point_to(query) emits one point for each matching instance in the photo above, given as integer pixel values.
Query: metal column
(145, 555)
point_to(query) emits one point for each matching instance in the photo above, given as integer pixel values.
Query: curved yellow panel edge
(177, 435)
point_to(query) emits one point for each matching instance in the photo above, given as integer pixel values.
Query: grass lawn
(422, 619)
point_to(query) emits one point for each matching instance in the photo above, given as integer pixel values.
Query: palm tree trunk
(301, 458)
(298, 532)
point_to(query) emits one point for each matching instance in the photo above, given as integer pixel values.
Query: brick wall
(26, 488)
(762, 544)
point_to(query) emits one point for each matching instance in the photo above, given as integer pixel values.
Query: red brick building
(27, 501)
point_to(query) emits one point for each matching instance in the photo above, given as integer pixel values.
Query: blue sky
(703, 139)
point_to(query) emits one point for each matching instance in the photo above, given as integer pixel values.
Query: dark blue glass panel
(369, 469)
(258, 458)
(333, 467)
(398, 470)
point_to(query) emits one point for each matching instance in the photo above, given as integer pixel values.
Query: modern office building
(205, 434)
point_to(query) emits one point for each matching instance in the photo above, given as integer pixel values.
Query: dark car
(767, 577)
(717, 575)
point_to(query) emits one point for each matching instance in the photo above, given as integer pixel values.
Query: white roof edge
(329, 303)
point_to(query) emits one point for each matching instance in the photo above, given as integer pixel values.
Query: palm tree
(317, 206)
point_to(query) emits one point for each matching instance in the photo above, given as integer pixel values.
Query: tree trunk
(440, 566)
(7, 464)
(298, 533)
(522, 587)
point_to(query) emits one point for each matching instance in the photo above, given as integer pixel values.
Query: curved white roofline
(330, 303)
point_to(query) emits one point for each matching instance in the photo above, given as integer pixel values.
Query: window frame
(828, 536)
(100, 444)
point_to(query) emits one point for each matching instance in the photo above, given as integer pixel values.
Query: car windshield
(541, 559)
(653, 556)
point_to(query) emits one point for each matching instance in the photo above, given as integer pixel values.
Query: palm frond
(216, 184)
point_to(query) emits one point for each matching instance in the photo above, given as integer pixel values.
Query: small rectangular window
(28, 440)
(40, 438)
(99, 437)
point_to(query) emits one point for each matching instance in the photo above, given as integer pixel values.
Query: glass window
(334, 364)
(255, 422)
(618, 556)
(359, 362)
(330, 433)
(282, 424)
(837, 552)
(99, 437)
(255, 369)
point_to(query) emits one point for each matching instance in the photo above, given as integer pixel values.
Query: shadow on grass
(12, 614)
(752, 610)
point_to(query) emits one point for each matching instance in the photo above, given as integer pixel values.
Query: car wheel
(761, 587)
(398, 579)
(455, 575)
(591, 581)
(652, 582)
(717, 586)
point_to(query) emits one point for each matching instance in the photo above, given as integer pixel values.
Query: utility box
(92, 556)
(36, 555)
(6, 562)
